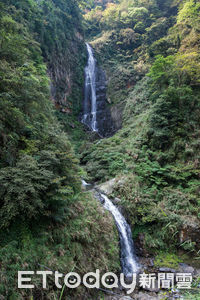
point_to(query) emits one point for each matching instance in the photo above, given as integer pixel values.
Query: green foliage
(158, 183)
(46, 221)
(150, 51)
(170, 112)
(189, 13)
(119, 15)
(121, 34)
(154, 157)
(39, 173)
(21, 190)
(168, 260)
(59, 247)
(161, 70)
(189, 66)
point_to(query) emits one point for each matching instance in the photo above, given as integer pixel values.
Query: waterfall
(128, 258)
(84, 183)
(90, 109)
(96, 113)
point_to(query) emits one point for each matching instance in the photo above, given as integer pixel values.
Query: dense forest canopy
(31, 139)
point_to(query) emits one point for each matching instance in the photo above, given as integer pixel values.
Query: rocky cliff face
(106, 125)
(61, 36)
(67, 81)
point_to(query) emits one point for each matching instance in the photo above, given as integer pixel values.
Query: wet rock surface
(117, 115)
(96, 112)
(107, 187)
(106, 126)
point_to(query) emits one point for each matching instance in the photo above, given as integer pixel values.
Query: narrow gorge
(91, 109)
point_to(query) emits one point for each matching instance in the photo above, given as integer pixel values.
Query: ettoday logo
(109, 280)
(91, 280)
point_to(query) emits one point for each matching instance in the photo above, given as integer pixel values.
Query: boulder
(141, 247)
(143, 296)
(166, 270)
(184, 268)
(107, 187)
(116, 201)
(117, 115)
(197, 273)
(190, 231)
(99, 197)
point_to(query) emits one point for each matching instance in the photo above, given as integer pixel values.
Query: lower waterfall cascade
(128, 258)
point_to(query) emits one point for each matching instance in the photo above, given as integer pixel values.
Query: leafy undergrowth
(158, 185)
(167, 260)
(87, 241)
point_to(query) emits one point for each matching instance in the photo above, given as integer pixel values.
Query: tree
(110, 15)
(188, 65)
(161, 70)
(190, 13)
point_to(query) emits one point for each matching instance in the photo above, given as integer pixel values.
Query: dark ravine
(96, 113)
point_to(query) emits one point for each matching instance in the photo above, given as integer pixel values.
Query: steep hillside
(47, 221)
(151, 54)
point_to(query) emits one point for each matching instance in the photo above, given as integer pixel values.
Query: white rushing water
(128, 258)
(90, 117)
(84, 183)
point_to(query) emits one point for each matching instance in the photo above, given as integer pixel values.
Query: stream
(128, 257)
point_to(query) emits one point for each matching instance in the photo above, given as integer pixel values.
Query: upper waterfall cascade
(96, 113)
(90, 117)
